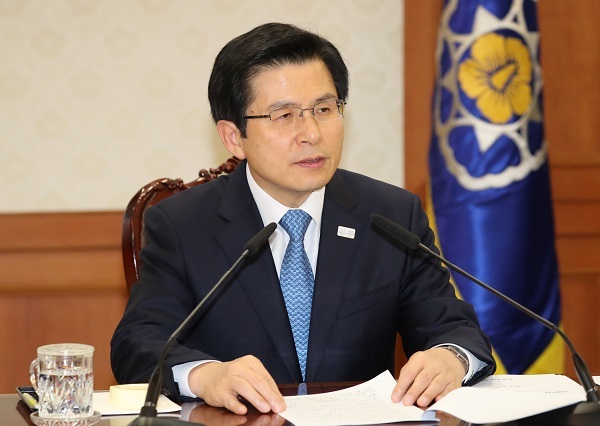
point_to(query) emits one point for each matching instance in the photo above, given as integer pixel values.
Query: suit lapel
(336, 256)
(258, 278)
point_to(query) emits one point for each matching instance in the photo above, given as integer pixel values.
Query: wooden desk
(13, 412)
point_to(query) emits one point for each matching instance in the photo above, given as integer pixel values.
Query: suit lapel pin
(346, 232)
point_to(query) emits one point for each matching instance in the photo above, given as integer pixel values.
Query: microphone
(579, 414)
(148, 413)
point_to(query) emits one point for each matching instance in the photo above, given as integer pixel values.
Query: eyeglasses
(287, 117)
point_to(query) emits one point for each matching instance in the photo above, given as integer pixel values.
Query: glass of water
(62, 375)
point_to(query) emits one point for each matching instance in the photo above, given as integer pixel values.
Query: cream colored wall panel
(97, 97)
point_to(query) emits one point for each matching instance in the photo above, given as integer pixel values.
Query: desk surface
(13, 412)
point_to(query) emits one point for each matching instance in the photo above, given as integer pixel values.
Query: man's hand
(220, 384)
(428, 376)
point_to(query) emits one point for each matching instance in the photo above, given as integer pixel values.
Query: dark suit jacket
(366, 289)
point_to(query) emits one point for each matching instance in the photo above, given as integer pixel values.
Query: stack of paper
(500, 398)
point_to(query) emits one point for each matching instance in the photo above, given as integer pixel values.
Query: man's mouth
(314, 160)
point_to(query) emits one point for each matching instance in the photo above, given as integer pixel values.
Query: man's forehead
(278, 82)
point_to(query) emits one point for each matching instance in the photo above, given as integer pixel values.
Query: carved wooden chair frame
(132, 230)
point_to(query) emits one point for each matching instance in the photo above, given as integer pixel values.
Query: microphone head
(395, 231)
(260, 239)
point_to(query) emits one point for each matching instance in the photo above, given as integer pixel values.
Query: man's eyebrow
(281, 104)
(326, 97)
(287, 104)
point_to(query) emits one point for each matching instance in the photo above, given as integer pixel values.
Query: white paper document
(367, 403)
(503, 398)
(496, 399)
(103, 405)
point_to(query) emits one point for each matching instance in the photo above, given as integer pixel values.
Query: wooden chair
(132, 229)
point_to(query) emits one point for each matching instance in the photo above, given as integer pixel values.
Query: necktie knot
(295, 222)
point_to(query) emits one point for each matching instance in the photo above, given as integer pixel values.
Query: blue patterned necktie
(297, 281)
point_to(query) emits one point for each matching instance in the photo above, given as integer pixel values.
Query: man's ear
(230, 136)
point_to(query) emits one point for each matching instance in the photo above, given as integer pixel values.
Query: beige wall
(99, 97)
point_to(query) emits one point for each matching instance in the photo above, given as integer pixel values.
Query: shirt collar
(272, 210)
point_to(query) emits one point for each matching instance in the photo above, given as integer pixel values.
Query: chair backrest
(132, 229)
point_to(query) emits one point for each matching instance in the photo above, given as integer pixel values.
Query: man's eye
(282, 115)
(325, 109)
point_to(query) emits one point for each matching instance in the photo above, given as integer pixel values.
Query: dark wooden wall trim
(570, 46)
(62, 251)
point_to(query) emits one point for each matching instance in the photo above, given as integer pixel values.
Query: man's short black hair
(266, 46)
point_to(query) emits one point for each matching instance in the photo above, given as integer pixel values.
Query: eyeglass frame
(339, 103)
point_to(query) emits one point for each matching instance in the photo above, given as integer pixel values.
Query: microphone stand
(586, 413)
(581, 414)
(148, 412)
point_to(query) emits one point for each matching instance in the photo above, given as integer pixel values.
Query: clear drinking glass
(62, 375)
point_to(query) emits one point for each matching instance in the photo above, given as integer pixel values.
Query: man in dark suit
(277, 95)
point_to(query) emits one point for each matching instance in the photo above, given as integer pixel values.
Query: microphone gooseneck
(148, 411)
(412, 241)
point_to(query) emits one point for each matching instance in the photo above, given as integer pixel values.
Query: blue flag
(490, 186)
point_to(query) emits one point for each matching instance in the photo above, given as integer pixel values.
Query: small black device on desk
(29, 397)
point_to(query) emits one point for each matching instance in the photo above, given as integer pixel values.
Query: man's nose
(308, 127)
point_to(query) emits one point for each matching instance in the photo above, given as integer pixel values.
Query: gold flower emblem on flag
(498, 77)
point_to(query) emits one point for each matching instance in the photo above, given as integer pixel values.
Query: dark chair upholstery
(132, 230)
